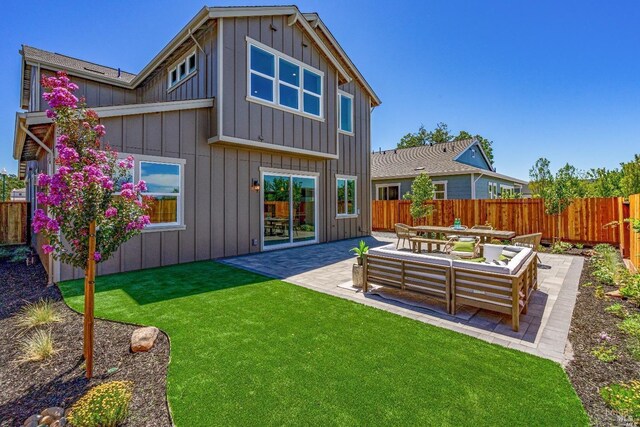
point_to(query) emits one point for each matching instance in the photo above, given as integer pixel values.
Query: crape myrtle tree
(89, 206)
(422, 191)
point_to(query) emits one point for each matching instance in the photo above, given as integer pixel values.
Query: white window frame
(493, 190)
(347, 178)
(137, 172)
(275, 82)
(445, 189)
(511, 188)
(176, 67)
(380, 186)
(341, 94)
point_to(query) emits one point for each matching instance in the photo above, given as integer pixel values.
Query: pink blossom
(141, 186)
(53, 226)
(111, 212)
(62, 139)
(604, 336)
(47, 249)
(42, 198)
(43, 180)
(100, 130)
(51, 114)
(96, 256)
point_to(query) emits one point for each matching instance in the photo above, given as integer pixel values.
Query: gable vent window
(280, 81)
(182, 70)
(345, 112)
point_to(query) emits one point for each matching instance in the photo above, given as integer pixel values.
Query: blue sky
(539, 78)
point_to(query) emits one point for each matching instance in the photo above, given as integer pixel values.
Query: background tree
(630, 181)
(442, 134)
(602, 182)
(12, 182)
(422, 191)
(540, 177)
(79, 198)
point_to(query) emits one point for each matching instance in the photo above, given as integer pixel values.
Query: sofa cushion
(464, 246)
(390, 251)
(481, 266)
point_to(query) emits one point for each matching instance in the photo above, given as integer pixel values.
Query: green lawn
(250, 350)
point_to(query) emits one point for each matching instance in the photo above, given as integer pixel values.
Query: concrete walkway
(543, 330)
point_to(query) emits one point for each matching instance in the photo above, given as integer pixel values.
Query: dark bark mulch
(28, 388)
(587, 373)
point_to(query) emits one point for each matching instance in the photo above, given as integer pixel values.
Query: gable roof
(68, 63)
(434, 160)
(131, 81)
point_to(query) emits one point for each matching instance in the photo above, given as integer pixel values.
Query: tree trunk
(89, 289)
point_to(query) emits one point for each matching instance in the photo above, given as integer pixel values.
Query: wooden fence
(14, 223)
(590, 221)
(634, 238)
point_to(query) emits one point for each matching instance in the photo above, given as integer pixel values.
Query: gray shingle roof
(435, 159)
(67, 62)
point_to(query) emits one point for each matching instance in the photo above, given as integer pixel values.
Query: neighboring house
(458, 170)
(18, 194)
(251, 128)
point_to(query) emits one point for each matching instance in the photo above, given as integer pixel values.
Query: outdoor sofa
(504, 286)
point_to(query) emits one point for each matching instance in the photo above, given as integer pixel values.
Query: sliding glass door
(289, 215)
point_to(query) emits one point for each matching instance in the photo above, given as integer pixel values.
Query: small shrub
(631, 325)
(633, 347)
(617, 310)
(580, 246)
(605, 353)
(105, 405)
(20, 254)
(587, 284)
(599, 292)
(623, 398)
(560, 247)
(37, 347)
(38, 313)
(630, 288)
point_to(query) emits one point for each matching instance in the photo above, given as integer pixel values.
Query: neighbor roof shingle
(67, 62)
(429, 159)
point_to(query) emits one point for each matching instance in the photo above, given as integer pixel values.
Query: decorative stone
(614, 294)
(357, 275)
(33, 421)
(47, 420)
(62, 422)
(54, 412)
(143, 339)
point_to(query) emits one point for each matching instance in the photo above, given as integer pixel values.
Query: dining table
(486, 236)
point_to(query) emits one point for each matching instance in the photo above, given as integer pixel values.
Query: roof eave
(469, 172)
(18, 137)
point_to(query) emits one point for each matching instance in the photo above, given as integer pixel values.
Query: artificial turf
(250, 350)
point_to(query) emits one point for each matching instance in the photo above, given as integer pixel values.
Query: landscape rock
(47, 420)
(55, 412)
(33, 421)
(143, 339)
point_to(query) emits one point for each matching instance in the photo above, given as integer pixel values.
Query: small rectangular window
(182, 70)
(388, 191)
(262, 62)
(345, 112)
(174, 76)
(346, 196)
(440, 190)
(192, 63)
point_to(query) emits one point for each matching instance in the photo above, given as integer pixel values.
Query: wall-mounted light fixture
(255, 185)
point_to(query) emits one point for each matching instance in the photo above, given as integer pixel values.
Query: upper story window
(182, 70)
(345, 112)
(283, 82)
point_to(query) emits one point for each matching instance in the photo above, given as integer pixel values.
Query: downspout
(49, 172)
(475, 181)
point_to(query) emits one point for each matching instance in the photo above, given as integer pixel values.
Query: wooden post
(89, 289)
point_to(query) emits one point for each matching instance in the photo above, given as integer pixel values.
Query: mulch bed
(586, 372)
(28, 388)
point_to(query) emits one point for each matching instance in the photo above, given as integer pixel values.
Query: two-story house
(251, 128)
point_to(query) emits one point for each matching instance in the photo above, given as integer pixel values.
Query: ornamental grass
(105, 405)
(37, 347)
(37, 314)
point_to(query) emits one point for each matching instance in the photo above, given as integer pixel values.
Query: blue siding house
(459, 170)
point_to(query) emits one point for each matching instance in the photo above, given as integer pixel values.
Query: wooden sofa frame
(503, 293)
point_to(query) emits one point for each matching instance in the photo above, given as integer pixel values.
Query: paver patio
(543, 330)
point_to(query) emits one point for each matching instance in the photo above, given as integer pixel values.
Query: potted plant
(360, 250)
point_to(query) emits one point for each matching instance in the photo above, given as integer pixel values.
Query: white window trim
(342, 93)
(275, 81)
(138, 158)
(445, 189)
(355, 197)
(493, 190)
(394, 184)
(507, 187)
(176, 65)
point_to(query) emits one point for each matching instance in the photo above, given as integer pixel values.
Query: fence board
(584, 221)
(634, 238)
(13, 223)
